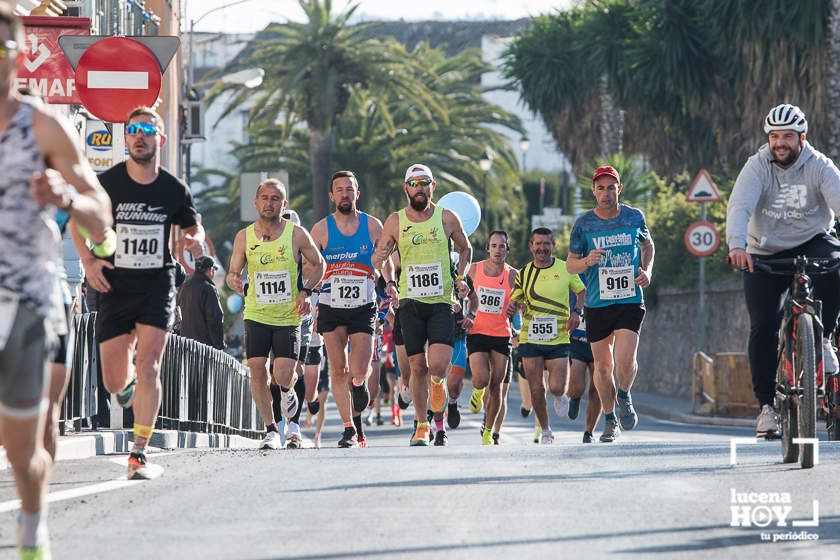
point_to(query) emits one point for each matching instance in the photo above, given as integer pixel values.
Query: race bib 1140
(139, 246)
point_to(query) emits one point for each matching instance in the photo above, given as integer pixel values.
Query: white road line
(107, 486)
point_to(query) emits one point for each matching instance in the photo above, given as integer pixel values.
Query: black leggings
(764, 294)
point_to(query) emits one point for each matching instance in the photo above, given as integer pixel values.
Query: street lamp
(524, 144)
(485, 163)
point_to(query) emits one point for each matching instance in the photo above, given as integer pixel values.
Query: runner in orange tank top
(488, 341)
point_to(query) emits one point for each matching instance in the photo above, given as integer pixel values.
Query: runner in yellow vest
(421, 232)
(276, 299)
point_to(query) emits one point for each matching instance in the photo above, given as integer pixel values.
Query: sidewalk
(87, 444)
(678, 409)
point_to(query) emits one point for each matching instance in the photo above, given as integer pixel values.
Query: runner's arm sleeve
(643, 233)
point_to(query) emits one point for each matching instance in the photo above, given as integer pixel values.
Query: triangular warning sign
(703, 189)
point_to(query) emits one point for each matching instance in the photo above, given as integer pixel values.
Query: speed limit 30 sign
(702, 238)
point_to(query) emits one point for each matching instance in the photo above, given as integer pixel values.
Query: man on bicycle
(783, 205)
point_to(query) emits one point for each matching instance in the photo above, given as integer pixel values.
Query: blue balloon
(234, 303)
(467, 208)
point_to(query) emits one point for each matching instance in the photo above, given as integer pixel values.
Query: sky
(242, 18)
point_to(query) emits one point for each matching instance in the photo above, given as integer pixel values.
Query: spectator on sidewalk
(202, 317)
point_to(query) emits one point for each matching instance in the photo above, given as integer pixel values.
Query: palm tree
(311, 70)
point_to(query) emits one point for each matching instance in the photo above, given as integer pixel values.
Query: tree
(311, 69)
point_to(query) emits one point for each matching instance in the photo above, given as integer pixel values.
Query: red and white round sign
(116, 75)
(702, 238)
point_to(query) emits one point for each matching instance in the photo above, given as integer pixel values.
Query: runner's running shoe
(587, 437)
(438, 397)
(361, 398)
(561, 406)
(288, 403)
(477, 400)
(362, 441)
(271, 440)
(440, 438)
(453, 415)
(421, 436)
(574, 408)
(626, 413)
(348, 438)
(611, 431)
(487, 437)
(138, 467)
(125, 398)
(537, 433)
(547, 438)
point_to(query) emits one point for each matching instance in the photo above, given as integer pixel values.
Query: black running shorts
(119, 313)
(397, 327)
(356, 320)
(486, 343)
(601, 322)
(310, 355)
(581, 351)
(426, 322)
(262, 339)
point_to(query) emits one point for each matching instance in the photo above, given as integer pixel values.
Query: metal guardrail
(204, 389)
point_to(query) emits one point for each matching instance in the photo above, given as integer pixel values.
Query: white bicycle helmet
(785, 117)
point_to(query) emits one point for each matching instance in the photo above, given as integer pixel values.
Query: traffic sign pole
(702, 289)
(117, 143)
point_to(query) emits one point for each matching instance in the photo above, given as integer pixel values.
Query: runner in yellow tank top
(272, 247)
(541, 292)
(421, 232)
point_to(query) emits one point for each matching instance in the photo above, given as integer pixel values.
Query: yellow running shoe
(537, 434)
(477, 400)
(421, 435)
(438, 399)
(487, 437)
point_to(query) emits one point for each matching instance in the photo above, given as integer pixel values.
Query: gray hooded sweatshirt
(772, 209)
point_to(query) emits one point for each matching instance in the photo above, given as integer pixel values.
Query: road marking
(72, 493)
(733, 444)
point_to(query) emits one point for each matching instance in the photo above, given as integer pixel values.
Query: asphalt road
(664, 490)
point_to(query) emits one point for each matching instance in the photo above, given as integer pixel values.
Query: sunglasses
(8, 48)
(145, 129)
(414, 183)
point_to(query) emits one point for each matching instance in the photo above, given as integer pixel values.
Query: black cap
(204, 263)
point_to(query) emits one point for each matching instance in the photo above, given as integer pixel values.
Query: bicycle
(831, 403)
(799, 375)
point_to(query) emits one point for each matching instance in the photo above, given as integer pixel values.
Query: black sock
(300, 390)
(314, 407)
(275, 402)
(357, 421)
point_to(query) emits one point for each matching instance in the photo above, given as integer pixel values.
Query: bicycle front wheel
(806, 373)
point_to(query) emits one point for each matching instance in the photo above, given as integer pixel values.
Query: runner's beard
(419, 205)
(150, 155)
(345, 207)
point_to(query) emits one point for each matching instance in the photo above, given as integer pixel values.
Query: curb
(694, 418)
(107, 442)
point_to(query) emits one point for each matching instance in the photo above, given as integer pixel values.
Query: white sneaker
(830, 363)
(547, 438)
(293, 437)
(316, 441)
(405, 394)
(288, 403)
(561, 405)
(766, 423)
(271, 441)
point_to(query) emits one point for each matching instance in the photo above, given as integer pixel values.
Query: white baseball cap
(418, 170)
(292, 216)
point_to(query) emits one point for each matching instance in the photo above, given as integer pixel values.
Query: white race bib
(8, 312)
(616, 282)
(347, 292)
(424, 280)
(139, 247)
(272, 287)
(490, 300)
(543, 328)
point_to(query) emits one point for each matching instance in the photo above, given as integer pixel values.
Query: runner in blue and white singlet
(347, 304)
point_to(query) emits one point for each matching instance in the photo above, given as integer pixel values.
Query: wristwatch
(578, 310)
(307, 290)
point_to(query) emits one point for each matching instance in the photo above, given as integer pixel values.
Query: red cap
(606, 170)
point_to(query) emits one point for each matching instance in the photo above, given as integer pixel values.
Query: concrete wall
(670, 334)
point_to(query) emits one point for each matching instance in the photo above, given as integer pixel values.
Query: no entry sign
(116, 75)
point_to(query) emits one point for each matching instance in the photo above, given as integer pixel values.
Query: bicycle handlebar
(791, 265)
